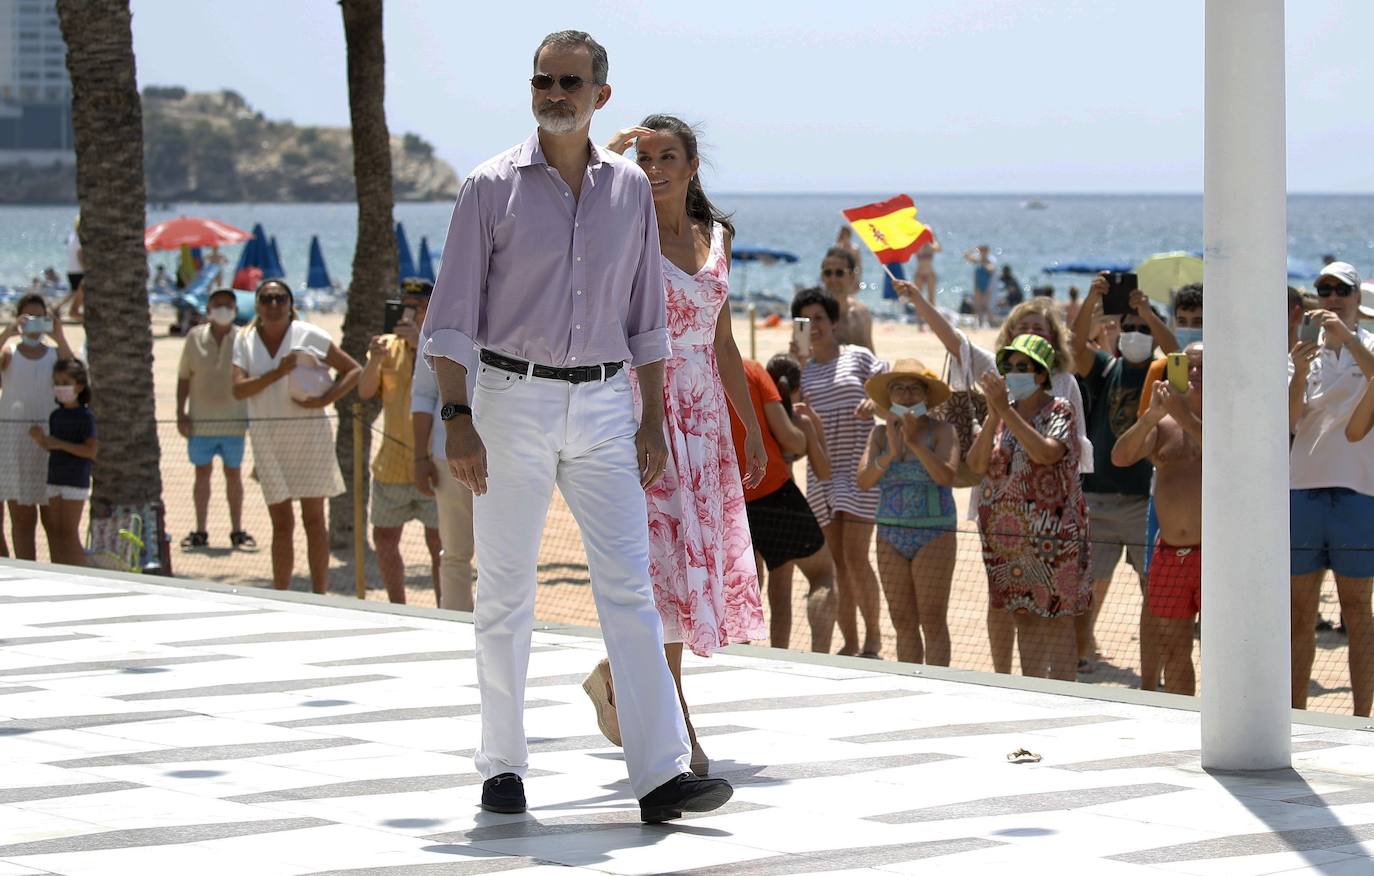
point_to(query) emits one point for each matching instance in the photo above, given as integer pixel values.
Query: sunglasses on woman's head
(569, 82)
(1326, 290)
(274, 298)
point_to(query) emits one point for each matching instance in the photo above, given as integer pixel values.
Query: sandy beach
(564, 594)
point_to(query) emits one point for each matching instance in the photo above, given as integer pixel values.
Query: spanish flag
(890, 228)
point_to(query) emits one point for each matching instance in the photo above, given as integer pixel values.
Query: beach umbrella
(186, 267)
(274, 260)
(1162, 273)
(426, 266)
(191, 231)
(403, 259)
(316, 275)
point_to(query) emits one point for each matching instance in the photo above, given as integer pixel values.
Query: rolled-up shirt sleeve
(424, 389)
(646, 325)
(455, 309)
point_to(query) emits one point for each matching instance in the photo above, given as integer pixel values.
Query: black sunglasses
(569, 82)
(1140, 327)
(274, 298)
(1020, 367)
(1326, 290)
(834, 272)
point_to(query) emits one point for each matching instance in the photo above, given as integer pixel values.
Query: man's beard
(556, 122)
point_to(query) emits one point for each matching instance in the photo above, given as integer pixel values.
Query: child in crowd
(71, 446)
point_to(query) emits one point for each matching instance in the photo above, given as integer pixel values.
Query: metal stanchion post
(753, 332)
(359, 521)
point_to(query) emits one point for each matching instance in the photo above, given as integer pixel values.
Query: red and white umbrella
(191, 231)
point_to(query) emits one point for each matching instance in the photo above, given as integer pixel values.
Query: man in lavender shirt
(551, 282)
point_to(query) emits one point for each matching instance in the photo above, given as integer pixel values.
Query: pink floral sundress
(701, 558)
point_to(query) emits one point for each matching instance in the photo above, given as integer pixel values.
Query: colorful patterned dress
(701, 558)
(1034, 523)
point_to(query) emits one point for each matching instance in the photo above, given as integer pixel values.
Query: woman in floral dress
(701, 558)
(1031, 511)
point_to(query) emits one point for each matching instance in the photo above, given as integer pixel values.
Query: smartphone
(1310, 330)
(1176, 369)
(394, 311)
(801, 336)
(1120, 285)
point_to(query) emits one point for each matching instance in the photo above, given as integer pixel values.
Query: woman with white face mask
(1031, 512)
(26, 399)
(913, 462)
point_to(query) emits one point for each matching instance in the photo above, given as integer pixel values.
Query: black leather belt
(582, 374)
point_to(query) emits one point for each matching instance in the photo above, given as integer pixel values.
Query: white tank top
(26, 394)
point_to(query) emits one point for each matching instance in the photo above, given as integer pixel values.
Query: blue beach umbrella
(317, 275)
(274, 268)
(426, 268)
(403, 259)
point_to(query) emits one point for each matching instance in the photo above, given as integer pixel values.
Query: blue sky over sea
(937, 96)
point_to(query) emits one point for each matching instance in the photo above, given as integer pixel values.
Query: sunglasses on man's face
(834, 272)
(1326, 290)
(569, 82)
(274, 298)
(1140, 327)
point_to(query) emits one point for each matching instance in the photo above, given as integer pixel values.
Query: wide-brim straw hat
(937, 391)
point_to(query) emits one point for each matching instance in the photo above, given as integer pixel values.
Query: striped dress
(833, 390)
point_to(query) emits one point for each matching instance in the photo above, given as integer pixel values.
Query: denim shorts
(202, 449)
(1331, 528)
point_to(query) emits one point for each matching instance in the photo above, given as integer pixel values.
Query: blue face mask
(1020, 384)
(919, 409)
(1186, 336)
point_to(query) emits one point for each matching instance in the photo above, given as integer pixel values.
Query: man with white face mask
(1118, 497)
(216, 422)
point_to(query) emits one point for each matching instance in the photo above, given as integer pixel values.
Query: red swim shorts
(1175, 590)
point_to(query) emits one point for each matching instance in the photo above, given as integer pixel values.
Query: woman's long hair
(699, 207)
(786, 373)
(1059, 334)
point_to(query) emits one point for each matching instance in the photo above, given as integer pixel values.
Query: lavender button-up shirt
(531, 272)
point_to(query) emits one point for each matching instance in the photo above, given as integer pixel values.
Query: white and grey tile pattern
(155, 728)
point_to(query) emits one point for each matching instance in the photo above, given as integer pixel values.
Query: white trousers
(539, 433)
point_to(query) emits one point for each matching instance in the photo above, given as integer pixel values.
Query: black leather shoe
(686, 793)
(504, 793)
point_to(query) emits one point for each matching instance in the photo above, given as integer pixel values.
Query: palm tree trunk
(374, 257)
(107, 118)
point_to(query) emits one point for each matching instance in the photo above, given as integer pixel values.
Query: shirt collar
(531, 153)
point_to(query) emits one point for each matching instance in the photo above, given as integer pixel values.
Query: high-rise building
(35, 92)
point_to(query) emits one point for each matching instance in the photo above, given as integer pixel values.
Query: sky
(801, 96)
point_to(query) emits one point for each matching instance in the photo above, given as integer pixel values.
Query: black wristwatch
(449, 411)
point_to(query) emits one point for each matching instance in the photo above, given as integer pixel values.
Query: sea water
(1092, 228)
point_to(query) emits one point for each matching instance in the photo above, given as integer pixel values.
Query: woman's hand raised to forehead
(623, 139)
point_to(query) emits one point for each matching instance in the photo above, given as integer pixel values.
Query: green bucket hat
(1034, 346)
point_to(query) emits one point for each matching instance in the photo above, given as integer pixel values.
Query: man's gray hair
(572, 39)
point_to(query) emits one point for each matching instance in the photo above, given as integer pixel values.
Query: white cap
(1367, 299)
(1343, 271)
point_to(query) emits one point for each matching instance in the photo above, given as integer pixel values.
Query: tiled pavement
(152, 729)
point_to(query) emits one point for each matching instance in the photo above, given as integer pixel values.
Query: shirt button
(579, 258)
(567, 194)
(574, 359)
(579, 327)
(579, 291)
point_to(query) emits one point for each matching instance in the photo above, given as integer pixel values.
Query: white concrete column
(1245, 647)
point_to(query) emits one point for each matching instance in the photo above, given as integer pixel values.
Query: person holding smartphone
(1117, 496)
(26, 399)
(396, 499)
(1331, 480)
(1169, 435)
